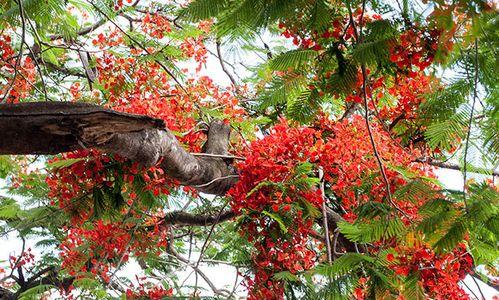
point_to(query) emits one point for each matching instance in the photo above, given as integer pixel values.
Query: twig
(478, 286)
(219, 156)
(222, 64)
(19, 57)
(476, 297)
(205, 244)
(366, 114)
(141, 47)
(215, 180)
(215, 290)
(468, 134)
(324, 217)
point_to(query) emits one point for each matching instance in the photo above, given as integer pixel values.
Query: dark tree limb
(56, 127)
(181, 218)
(451, 166)
(5, 294)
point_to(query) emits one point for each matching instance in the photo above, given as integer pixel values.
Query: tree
(320, 162)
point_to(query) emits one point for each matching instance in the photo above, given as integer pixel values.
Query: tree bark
(56, 127)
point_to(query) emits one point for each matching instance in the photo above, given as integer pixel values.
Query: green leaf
(9, 209)
(7, 165)
(283, 90)
(444, 134)
(347, 263)
(278, 219)
(286, 276)
(204, 9)
(377, 42)
(64, 163)
(304, 107)
(294, 59)
(452, 237)
(86, 283)
(374, 231)
(412, 289)
(259, 186)
(35, 292)
(49, 56)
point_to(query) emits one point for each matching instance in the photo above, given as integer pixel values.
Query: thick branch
(83, 31)
(6, 294)
(456, 167)
(181, 218)
(55, 127)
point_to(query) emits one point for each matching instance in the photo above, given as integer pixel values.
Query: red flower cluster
(23, 259)
(278, 224)
(156, 25)
(147, 290)
(416, 48)
(268, 195)
(348, 162)
(19, 83)
(194, 48)
(440, 274)
(409, 94)
(104, 245)
(94, 170)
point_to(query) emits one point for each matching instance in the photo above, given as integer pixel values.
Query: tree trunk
(56, 127)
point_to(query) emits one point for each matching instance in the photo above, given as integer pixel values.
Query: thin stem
(141, 47)
(324, 217)
(19, 57)
(470, 124)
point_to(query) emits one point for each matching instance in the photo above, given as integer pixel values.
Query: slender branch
(94, 26)
(141, 47)
(324, 217)
(83, 31)
(181, 218)
(184, 260)
(366, 113)
(20, 55)
(446, 165)
(44, 86)
(206, 241)
(478, 287)
(219, 156)
(468, 134)
(222, 64)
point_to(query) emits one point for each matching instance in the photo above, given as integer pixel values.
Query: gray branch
(56, 127)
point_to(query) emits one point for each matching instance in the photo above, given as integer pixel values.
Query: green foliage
(344, 80)
(64, 163)
(379, 37)
(375, 230)
(7, 165)
(286, 276)
(412, 288)
(444, 134)
(440, 104)
(283, 89)
(345, 264)
(343, 274)
(278, 219)
(445, 224)
(294, 59)
(35, 292)
(205, 9)
(414, 191)
(9, 209)
(304, 107)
